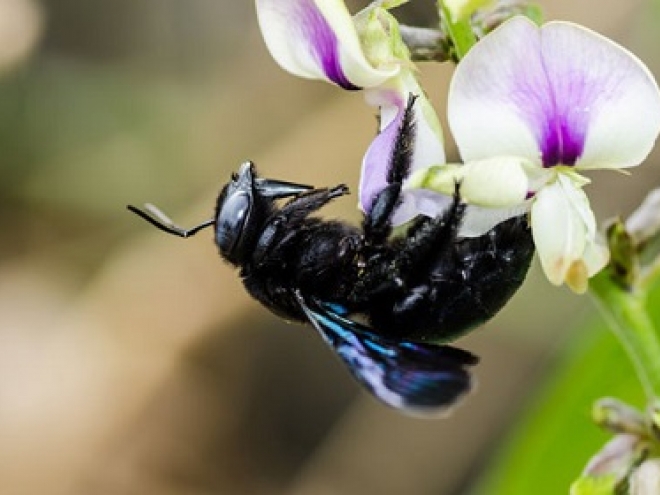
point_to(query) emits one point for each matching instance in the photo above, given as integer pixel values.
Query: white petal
(601, 83)
(420, 202)
(499, 182)
(479, 220)
(559, 234)
(596, 254)
(497, 90)
(563, 227)
(561, 94)
(645, 480)
(316, 39)
(495, 191)
(495, 182)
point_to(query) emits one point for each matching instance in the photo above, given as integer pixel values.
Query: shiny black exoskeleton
(427, 286)
(414, 292)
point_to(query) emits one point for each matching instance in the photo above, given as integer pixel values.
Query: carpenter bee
(385, 304)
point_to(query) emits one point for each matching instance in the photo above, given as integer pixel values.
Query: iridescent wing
(421, 379)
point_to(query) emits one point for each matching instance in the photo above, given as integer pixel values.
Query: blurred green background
(133, 363)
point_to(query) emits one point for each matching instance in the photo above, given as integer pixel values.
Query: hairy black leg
(306, 253)
(291, 215)
(304, 204)
(464, 287)
(279, 189)
(393, 274)
(430, 239)
(377, 221)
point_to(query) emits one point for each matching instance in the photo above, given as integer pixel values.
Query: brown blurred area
(132, 362)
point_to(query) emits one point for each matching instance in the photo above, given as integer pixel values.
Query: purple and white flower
(318, 39)
(530, 108)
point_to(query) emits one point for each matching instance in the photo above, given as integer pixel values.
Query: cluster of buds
(628, 463)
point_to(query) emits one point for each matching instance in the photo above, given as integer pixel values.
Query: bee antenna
(158, 219)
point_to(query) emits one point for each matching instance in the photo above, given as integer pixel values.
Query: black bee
(413, 292)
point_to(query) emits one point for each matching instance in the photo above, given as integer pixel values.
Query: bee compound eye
(231, 224)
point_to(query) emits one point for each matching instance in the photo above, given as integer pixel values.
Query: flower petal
(645, 480)
(494, 96)
(603, 92)
(617, 457)
(425, 143)
(316, 39)
(479, 220)
(596, 254)
(377, 159)
(492, 182)
(416, 202)
(561, 95)
(558, 233)
(563, 227)
(492, 194)
(495, 182)
(391, 98)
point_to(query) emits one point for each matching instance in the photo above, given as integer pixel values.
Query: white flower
(532, 107)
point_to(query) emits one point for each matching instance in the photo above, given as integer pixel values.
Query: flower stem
(459, 31)
(625, 311)
(425, 44)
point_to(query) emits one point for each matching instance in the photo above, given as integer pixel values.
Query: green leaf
(459, 31)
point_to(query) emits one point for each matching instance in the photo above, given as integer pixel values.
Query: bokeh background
(132, 362)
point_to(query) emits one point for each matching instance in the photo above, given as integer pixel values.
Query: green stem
(460, 32)
(625, 312)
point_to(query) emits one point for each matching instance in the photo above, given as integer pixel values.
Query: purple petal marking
(562, 141)
(557, 112)
(376, 162)
(323, 42)
(581, 75)
(564, 133)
